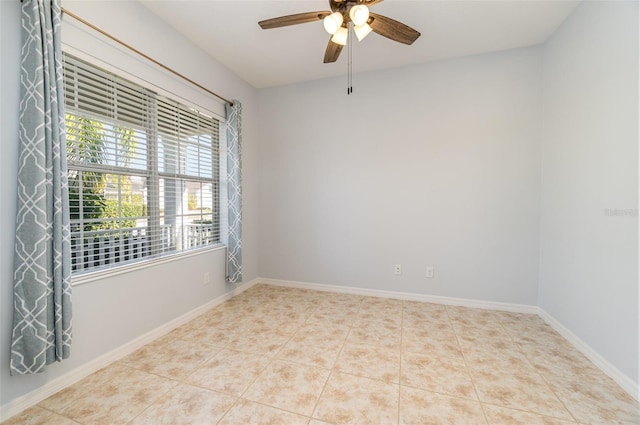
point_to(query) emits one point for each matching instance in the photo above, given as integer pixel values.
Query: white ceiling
(229, 32)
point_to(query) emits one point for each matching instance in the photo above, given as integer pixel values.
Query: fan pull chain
(350, 64)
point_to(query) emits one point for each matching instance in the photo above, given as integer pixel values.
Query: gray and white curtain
(234, 192)
(42, 261)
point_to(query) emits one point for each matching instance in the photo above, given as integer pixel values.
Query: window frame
(216, 180)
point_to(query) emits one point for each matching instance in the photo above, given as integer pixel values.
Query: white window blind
(143, 171)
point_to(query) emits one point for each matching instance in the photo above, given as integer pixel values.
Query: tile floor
(277, 355)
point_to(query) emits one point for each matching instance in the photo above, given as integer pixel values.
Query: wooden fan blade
(332, 52)
(392, 29)
(369, 3)
(298, 18)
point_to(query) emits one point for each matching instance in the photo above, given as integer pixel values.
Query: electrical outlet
(206, 278)
(397, 269)
(429, 272)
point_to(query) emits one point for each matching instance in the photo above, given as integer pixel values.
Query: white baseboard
(626, 383)
(34, 397)
(408, 296)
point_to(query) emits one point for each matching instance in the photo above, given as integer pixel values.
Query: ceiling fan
(336, 22)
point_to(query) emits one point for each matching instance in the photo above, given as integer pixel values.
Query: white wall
(431, 165)
(111, 312)
(589, 259)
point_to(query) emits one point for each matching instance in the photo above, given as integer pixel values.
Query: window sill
(88, 277)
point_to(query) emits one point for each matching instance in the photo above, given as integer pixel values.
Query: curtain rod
(133, 49)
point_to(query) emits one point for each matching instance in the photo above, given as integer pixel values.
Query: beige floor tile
(381, 310)
(518, 390)
(38, 416)
(595, 404)
(514, 323)
(229, 371)
(563, 361)
(507, 317)
(543, 335)
(426, 315)
(312, 332)
(500, 362)
(347, 302)
(187, 328)
(503, 416)
(342, 302)
(478, 315)
(337, 310)
(235, 324)
(224, 317)
(68, 395)
(126, 394)
(232, 309)
(212, 317)
(288, 386)
(435, 325)
(539, 334)
(431, 342)
(186, 404)
(247, 412)
(422, 407)
(258, 343)
(370, 361)
(275, 326)
(381, 334)
(475, 345)
(319, 354)
(493, 331)
(291, 310)
(213, 335)
(298, 353)
(175, 359)
(380, 317)
(381, 302)
(333, 316)
(422, 305)
(484, 319)
(349, 399)
(272, 328)
(447, 375)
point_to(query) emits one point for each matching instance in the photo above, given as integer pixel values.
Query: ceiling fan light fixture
(337, 20)
(362, 31)
(340, 37)
(359, 14)
(333, 22)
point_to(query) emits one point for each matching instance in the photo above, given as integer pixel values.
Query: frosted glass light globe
(359, 14)
(333, 22)
(340, 37)
(362, 31)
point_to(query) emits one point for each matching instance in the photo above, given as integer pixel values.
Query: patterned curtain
(234, 192)
(42, 290)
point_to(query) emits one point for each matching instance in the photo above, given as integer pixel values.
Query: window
(143, 171)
